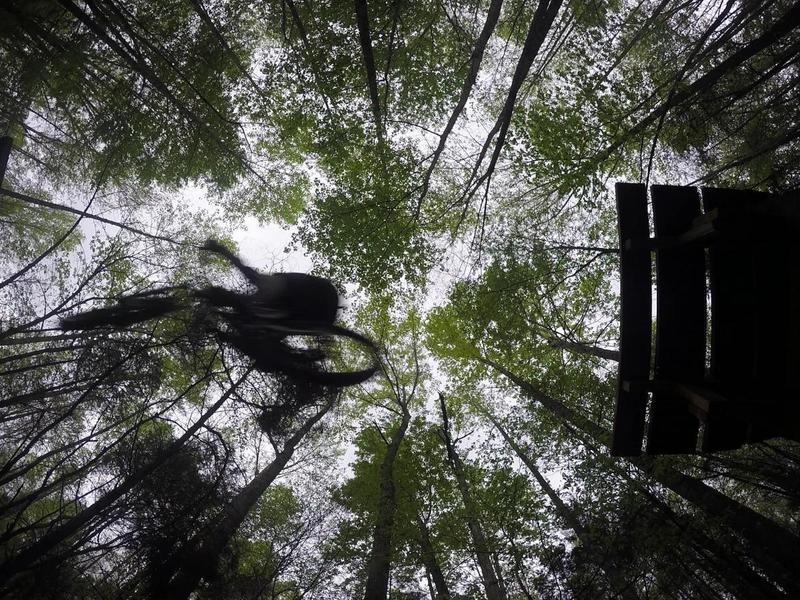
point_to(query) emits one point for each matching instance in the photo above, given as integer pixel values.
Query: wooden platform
(718, 383)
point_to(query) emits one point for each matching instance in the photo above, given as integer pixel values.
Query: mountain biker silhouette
(257, 324)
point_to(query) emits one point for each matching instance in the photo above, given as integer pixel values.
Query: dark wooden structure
(5, 152)
(725, 367)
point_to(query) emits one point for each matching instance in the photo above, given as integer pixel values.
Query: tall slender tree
(483, 552)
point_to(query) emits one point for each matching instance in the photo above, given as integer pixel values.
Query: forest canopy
(450, 165)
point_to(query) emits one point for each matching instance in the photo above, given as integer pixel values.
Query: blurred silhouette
(264, 325)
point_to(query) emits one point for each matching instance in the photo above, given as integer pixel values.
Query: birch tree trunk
(775, 548)
(491, 582)
(60, 534)
(377, 585)
(429, 559)
(200, 558)
(614, 575)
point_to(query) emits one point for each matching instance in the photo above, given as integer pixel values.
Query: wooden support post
(5, 152)
(635, 327)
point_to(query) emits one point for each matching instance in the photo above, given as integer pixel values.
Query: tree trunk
(200, 557)
(782, 27)
(429, 559)
(518, 575)
(85, 215)
(615, 576)
(39, 352)
(139, 65)
(583, 348)
(541, 22)
(377, 586)
(362, 17)
(492, 15)
(490, 580)
(55, 391)
(734, 574)
(6, 143)
(60, 534)
(775, 548)
(738, 576)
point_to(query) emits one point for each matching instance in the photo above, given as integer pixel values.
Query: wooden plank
(752, 274)
(681, 320)
(739, 420)
(791, 328)
(726, 420)
(5, 151)
(733, 320)
(772, 263)
(636, 319)
(776, 271)
(733, 297)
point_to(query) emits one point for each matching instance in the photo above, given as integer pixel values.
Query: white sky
(262, 246)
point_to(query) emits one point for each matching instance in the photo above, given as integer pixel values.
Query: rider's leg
(220, 297)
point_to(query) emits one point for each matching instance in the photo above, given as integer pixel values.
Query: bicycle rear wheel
(128, 311)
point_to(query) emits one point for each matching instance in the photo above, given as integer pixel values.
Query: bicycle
(275, 343)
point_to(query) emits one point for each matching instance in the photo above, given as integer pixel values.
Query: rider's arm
(250, 273)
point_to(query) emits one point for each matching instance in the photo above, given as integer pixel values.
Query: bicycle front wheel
(325, 354)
